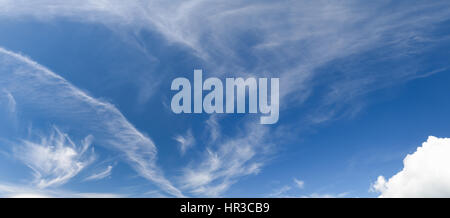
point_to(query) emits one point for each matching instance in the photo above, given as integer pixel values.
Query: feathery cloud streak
(100, 175)
(293, 39)
(56, 159)
(59, 102)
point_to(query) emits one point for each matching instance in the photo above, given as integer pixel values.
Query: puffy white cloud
(425, 173)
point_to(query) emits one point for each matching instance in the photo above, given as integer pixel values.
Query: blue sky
(85, 98)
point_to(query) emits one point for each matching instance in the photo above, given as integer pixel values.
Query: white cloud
(97, 195)
(100, 175)
(281, 192)
(213, 127)
(227, 161)
(287, 192)
(56, 158)
(310, 33)
(55, 100)
(318, 195)
(306, 34)
(298, 38)
(185, 141)
(10, 101)
(425, 173)
(17, 191)
(299, 183)
(13, 191)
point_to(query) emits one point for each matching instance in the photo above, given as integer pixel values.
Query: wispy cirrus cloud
(18, 191)
(280, 192)
(100, 175)
(9, 101)
(294, 39)
(226, 161)
(287, 192)
(59, 102)
(56, 158)
(319, 195)
(213, 127)
(299, 183)
(185, 141)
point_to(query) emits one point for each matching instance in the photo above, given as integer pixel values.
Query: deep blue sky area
(85, 98)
